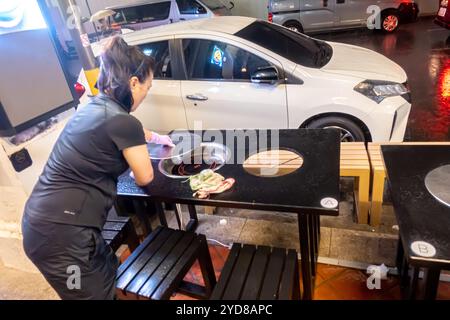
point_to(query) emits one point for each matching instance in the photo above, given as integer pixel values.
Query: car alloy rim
(293, 29)
(390, 23)
(346, 135)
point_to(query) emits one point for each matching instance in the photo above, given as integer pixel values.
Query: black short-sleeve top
(78, 183)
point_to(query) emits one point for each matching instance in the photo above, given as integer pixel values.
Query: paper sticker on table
(329, 203)
(423, 249)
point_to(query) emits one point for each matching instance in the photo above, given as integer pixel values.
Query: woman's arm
(139, 161)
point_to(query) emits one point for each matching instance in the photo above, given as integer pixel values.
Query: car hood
(363, 63)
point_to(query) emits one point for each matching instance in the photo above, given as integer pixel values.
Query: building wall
(428, 7)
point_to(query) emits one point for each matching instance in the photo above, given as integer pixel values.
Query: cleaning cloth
(209, 182)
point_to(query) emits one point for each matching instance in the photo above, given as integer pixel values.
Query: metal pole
(93, 23)
(81, 41)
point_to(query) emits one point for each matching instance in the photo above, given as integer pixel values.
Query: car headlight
(380, 90)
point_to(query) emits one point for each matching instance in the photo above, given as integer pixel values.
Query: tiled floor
(332, 282)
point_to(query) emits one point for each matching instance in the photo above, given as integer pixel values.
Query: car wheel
(350, 131)
(294, 26)
(390, 21)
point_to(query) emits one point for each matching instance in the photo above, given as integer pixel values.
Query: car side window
(143, 13)
(190, 7)
(160, 52)
(215, 60)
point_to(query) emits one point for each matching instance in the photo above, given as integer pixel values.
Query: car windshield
(292, 45)
(213, 4)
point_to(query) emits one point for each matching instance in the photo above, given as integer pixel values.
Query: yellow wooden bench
(355, 163)
(379, 176)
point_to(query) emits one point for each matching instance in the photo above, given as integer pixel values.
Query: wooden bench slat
(269, 290)
(152, 263)
(288, 278)
(128, 270)
(256, 274)
(177, 273)
(227, 270)
(109, 235)
(237, 279)
(114, 226)
(166, 265)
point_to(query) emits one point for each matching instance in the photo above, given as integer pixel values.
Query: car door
(163, 109)
(317, 15)
(218, 92)
(191, 9)
(351, 13)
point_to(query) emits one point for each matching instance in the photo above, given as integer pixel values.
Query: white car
(236, 72)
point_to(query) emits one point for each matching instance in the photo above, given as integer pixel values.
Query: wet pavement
(423, 50)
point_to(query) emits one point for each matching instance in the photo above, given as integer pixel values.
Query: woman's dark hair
(119, 63)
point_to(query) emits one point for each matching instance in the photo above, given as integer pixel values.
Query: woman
(67, 209)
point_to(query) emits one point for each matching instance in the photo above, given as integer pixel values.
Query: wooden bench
(355, 163)
(119, 230)
(155, 270)
(258, 273)
(379, 176)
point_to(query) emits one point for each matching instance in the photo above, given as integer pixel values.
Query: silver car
(324, 15)
(153, 13)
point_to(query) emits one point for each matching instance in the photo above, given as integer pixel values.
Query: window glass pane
(292, 45)
(215, 60)
(144, 13)
(160, 52)
(154, 12)
(190, 7)
(214, 4)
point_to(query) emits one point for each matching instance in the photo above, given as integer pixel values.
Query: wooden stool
(119, 230)
(155, 270)
(354, 162)
(258, 273)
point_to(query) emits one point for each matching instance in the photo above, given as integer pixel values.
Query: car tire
(294, 26)
(390, 20)
(350, 131)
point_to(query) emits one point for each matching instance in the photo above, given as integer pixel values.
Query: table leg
(162, 215)
(400, 256)
(431, 283)
(412, 287)
(313, 242)
(143, 216)
(305, 255)
(193, 221)
(177, 216)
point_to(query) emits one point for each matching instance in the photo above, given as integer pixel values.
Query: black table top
(421, 217)
(298, 192)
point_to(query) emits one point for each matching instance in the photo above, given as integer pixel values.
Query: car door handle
(197, 97)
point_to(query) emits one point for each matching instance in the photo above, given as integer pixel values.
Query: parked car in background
(443, 15)
(153, 13)
(325, 15)
(238, 72)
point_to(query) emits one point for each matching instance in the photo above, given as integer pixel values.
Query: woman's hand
(153, 137)
(148, 135)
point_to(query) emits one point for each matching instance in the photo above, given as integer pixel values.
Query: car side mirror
(201, 10)
(268, 75)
